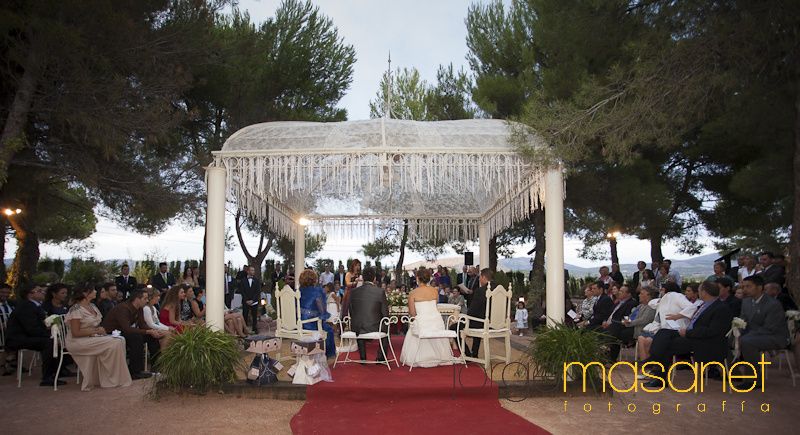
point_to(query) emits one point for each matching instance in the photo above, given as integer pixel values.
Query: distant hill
(700, 266)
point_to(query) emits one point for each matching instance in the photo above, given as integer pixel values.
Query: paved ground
(33, 410)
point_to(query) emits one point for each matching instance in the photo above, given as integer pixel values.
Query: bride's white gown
(432, 351)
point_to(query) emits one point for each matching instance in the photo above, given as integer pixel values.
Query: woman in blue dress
(312, 304)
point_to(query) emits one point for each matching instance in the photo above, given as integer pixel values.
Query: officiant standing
(476, 308)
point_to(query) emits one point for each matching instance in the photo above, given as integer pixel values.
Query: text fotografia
(729, 377)
(656, 408)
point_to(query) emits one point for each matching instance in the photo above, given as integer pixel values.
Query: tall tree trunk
(655, 248)
(4, 226)
(492, 254)
(255, 260)
(613, 245)
(398, 269)
(793, 275)
(537, 284)
(27, 255)
(12, 138)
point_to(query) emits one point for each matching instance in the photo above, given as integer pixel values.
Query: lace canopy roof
(445, 177)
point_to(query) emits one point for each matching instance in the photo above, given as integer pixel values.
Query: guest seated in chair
(367, 305)
(766, 325)
(641, 316)
(55, 300)
(170, 314)
(614, 326)
(26, 330)
(99, 356)
(476, 308)
(150, 315)
(704, 336)
(313, 303)
(127, 318)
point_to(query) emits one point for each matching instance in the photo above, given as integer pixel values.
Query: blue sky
(422, 34)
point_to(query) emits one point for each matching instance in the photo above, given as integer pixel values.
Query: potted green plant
(199, 359)
(553, 347)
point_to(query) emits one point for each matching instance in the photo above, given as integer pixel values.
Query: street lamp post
(612, 241)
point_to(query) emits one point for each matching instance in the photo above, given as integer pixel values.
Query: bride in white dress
(422, 305)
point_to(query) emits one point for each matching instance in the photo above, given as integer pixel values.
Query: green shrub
(560, 344)
(199, 359)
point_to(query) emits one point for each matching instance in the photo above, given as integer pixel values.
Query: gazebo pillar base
(483, 240)
(215, 248)
(554, 236)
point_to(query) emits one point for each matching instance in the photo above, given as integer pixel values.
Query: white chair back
(236, 302)
(288, 309)
(498, 308)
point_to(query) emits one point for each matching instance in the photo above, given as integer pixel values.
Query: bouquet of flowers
(738, 323)
(398, 301)
(51, 320)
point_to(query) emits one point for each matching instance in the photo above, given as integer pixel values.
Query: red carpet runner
(370, 399)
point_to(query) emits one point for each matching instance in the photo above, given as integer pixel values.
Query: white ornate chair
(61, 348)
(496, 324)
(428, 335)
(289, 325)
(350, 337)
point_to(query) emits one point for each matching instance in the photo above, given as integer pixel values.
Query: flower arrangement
(738, 323)
(398, 301)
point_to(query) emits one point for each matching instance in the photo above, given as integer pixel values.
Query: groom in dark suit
(250, 289)
(368, 305)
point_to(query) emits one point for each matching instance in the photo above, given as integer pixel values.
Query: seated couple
(422, 303)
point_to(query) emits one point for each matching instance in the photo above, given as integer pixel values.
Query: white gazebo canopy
(452, 180)
(446, 177)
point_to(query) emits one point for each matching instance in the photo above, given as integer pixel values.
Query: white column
(215, 248)
(554, 236)
(483, 239)
(299, 251)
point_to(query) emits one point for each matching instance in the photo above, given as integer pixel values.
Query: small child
(521, 317)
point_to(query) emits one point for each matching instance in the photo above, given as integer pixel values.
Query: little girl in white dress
(521, 318)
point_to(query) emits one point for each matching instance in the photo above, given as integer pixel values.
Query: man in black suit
(771, 272)
(641, 266)
(125, 282)
(367, 306)
(476, 308)
(338, 277)
(163, 280)
(461, 277)
(704, 337)
(602, 308)
(26, 330)
(250, 289)
(472, 284)
(614, 326)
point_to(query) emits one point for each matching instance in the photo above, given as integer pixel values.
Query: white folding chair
(379, 335)
(289, 325)
(430, 335)
(61, 344)
(496, 324)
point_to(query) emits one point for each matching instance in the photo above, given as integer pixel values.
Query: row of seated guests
(99, 356)
(695, 322)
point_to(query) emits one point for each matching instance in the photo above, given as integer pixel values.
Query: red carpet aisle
(370, 399)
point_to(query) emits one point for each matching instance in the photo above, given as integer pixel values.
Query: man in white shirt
(326, 277)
